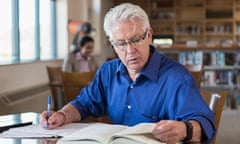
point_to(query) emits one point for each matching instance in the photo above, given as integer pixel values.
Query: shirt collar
(151, 70)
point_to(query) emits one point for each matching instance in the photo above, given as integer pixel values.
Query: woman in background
(80, 59)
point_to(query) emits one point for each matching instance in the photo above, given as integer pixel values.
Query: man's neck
(133, 74)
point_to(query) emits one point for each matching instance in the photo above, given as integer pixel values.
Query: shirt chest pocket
(147, 113)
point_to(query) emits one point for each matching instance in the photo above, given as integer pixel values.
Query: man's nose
(130, 47)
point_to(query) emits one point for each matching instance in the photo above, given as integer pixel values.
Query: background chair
(55, 84)
(197, 72)
(216, 104)
(73, 82)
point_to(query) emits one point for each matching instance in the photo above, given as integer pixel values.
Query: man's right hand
(55, 120)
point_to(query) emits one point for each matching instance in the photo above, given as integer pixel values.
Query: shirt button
(131, 86)
(129, 106)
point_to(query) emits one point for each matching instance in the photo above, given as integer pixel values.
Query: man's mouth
(133, 60)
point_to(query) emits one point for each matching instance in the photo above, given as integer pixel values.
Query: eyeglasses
(134, 41)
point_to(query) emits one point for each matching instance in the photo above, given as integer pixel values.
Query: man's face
(131, 44)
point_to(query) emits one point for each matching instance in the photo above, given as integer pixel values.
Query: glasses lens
(133, 41)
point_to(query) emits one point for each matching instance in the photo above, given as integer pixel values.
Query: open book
(99, 133)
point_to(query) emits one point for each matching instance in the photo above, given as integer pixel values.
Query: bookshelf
(204, 32)
(207, 22)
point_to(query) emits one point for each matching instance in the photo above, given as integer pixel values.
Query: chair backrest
(216, 103)
(55, 84)
(197, 73)
(73, 82)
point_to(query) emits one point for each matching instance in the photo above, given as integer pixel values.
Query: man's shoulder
(111, 65)
(112, 62)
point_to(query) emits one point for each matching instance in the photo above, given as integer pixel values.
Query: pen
(49, 108)
(45, 137)
(4, 128)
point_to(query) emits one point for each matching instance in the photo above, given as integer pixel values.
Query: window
(27, 18)
(5, 31)
(45, 30)
(25, 33)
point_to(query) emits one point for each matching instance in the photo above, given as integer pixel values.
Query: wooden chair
(73, 82)
(55, 84)
(197, 73)
(216, 104)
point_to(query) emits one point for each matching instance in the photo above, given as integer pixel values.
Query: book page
(141, 128)
(136, 139)
(77, 142)
(36, 131)
(94, 132)
(140, 133)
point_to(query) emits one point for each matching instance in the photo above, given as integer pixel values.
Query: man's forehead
(125, 31)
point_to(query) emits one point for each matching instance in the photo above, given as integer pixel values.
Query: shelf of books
(221, 64)
(221, 68)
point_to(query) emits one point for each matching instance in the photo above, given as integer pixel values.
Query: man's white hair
(124, 12)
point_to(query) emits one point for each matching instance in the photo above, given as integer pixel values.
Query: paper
(36, 131)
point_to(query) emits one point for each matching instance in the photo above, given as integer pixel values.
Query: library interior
(203, 35)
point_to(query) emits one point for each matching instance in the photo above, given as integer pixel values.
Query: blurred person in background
(80, 59)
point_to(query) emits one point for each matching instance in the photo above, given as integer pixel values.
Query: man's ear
(149, 34)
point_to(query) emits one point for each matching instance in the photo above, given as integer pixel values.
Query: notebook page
(36, 130)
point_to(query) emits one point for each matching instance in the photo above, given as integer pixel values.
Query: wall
(19, 76)
(20, 79)
(106, 47)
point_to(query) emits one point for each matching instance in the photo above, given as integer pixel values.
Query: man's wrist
(189, 131)
(61, 112)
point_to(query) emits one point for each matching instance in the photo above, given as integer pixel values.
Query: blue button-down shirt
(164, 90)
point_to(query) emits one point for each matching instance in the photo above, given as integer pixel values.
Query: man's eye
(135, 40)
(121, 44)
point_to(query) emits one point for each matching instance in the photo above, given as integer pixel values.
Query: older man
(141, 85)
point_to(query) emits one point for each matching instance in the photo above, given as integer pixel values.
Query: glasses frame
(122, 45)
